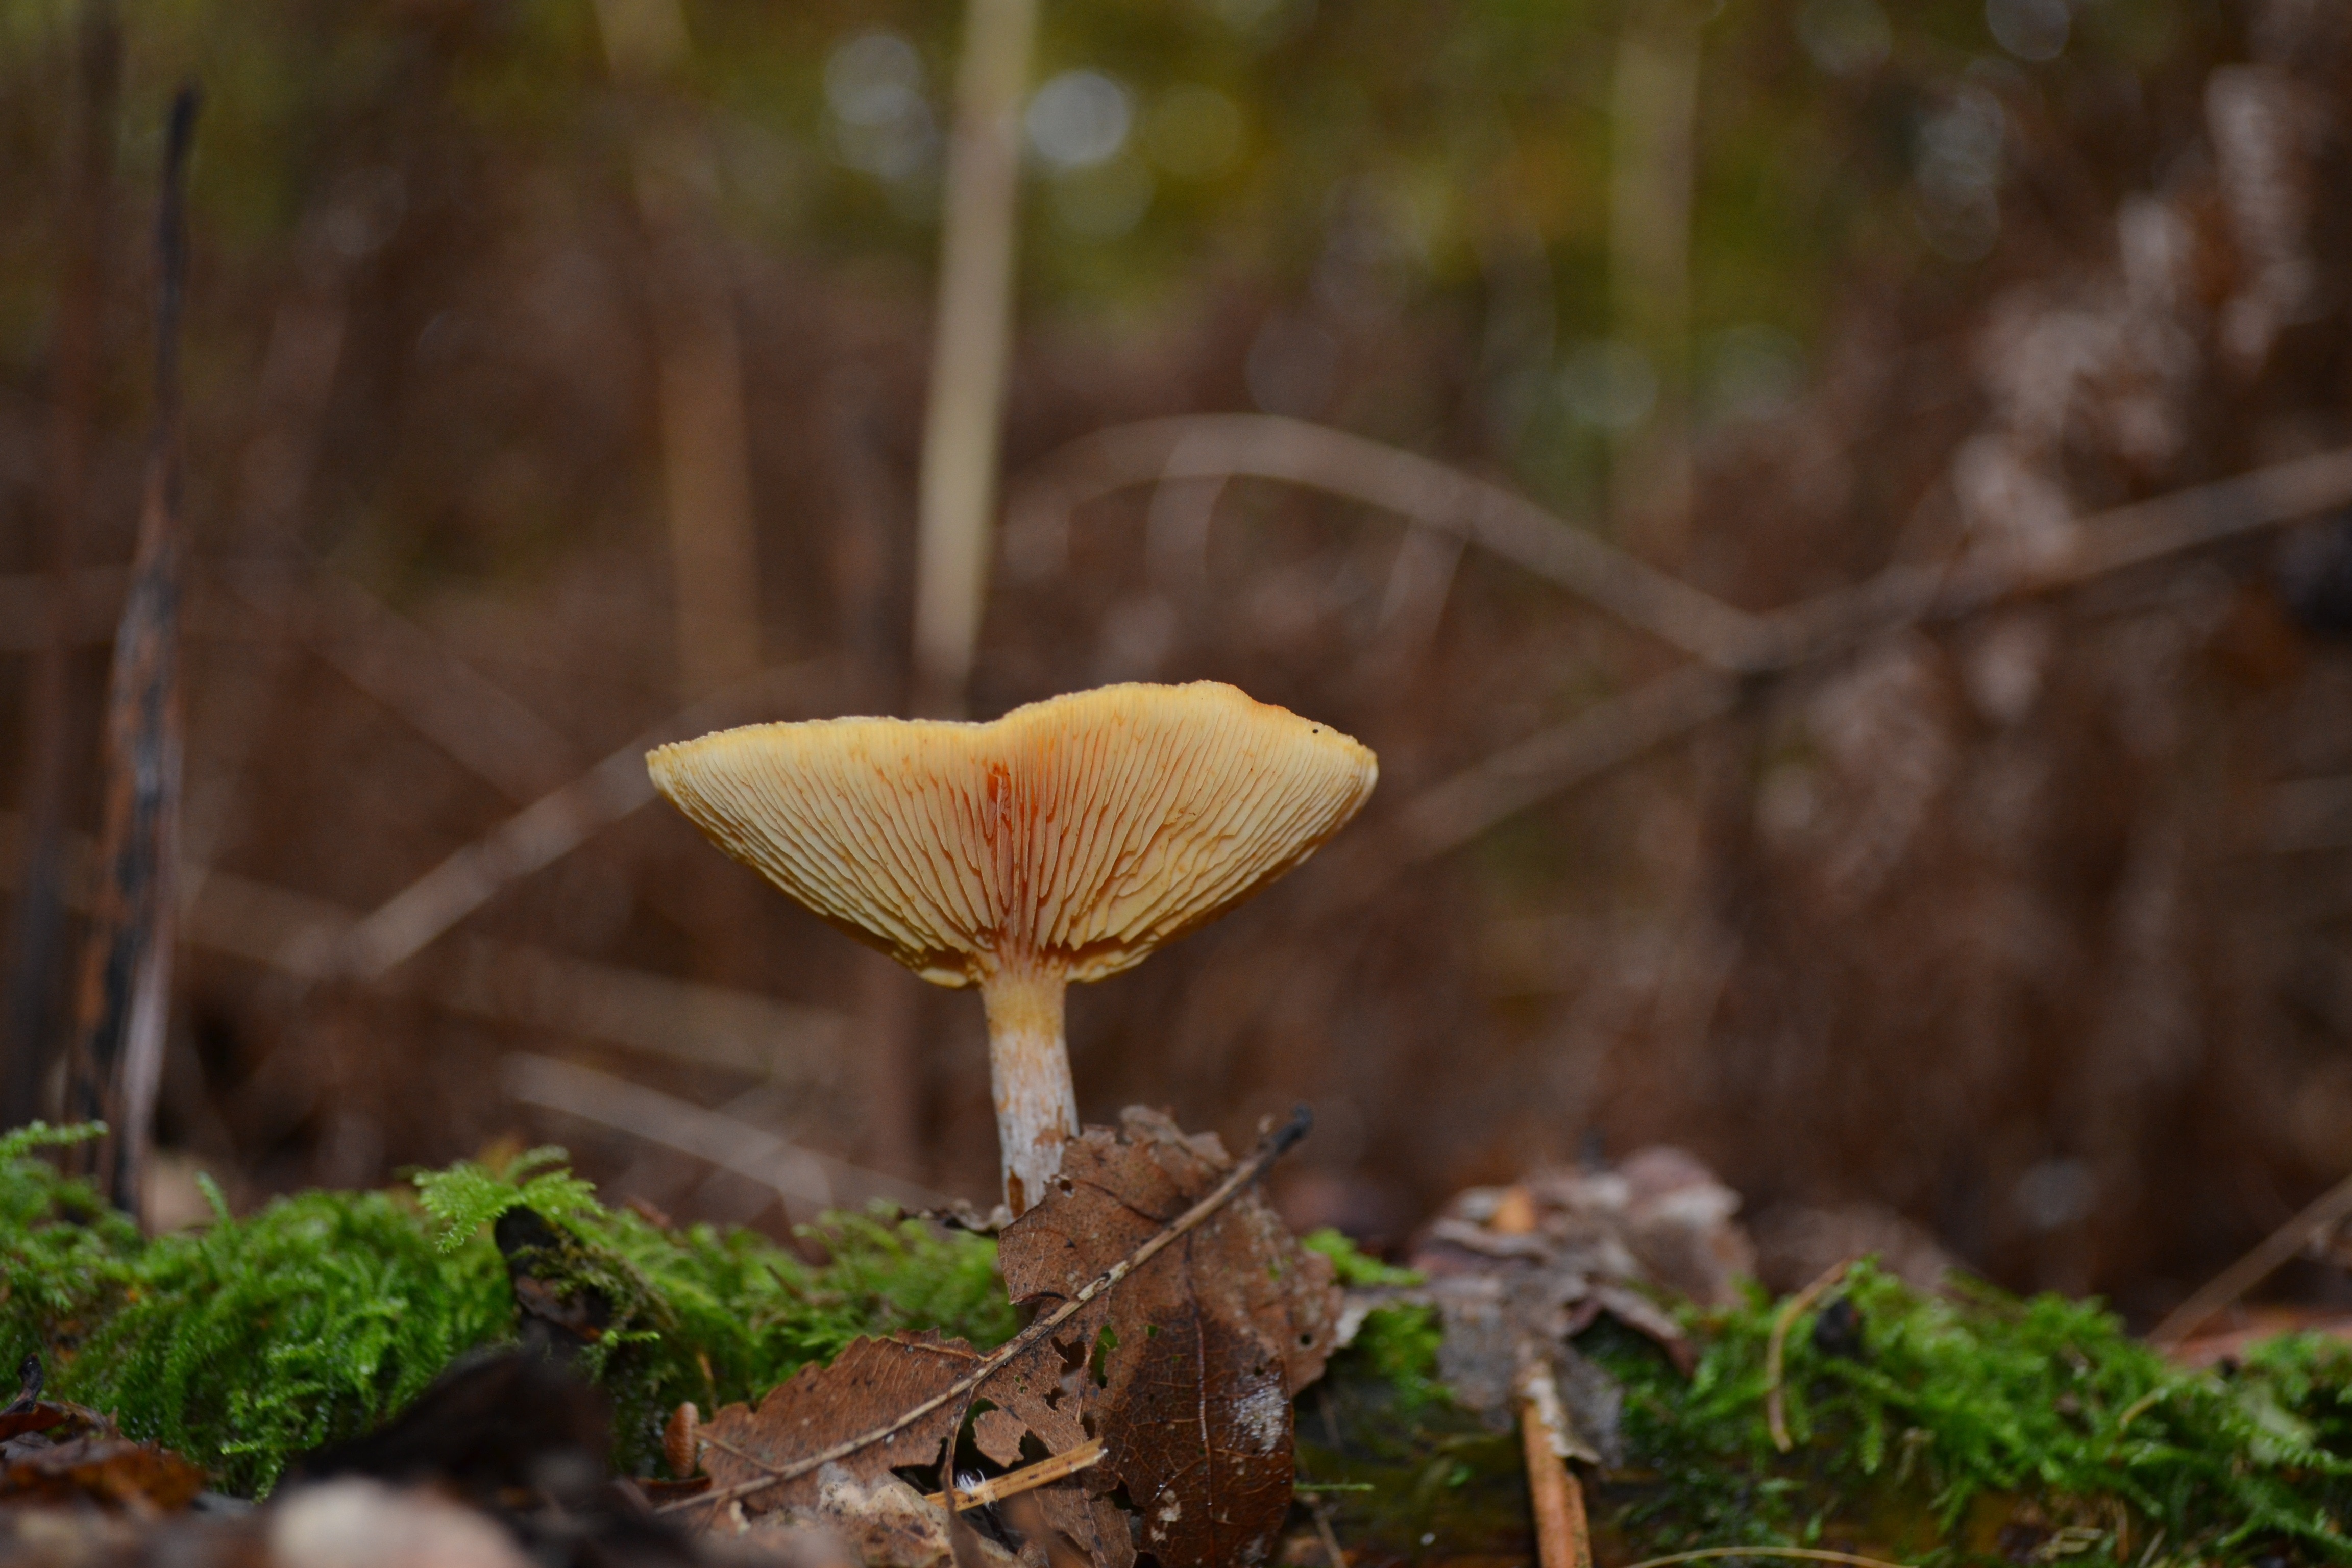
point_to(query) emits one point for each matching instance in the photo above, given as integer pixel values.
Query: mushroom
(1065, 841)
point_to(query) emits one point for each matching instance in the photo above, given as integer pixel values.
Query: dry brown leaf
(1207, 1343)
(139, 1478)
(1184, 1369)
(869, 1384)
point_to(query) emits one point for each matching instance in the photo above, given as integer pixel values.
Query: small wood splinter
(1029, 1477)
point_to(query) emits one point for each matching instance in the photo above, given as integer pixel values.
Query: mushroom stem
(1029, 1071)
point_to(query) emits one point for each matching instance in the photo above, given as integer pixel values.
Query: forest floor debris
(494, 1348)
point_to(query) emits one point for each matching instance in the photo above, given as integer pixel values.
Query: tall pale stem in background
(699, 360)
(971, 342)
(1654, 112)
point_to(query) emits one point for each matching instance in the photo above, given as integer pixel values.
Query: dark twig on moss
(1275, 1145)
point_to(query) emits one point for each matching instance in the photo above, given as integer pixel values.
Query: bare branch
(805, 1179)
(2317, 1217)
(478, 723)
(1295, 452)
(506, 982)
(1615, 731)
(548, 829)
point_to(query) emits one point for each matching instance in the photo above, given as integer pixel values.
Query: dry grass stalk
(1653, 115)
(1776, 1350)
(552, 826)
(506, 982)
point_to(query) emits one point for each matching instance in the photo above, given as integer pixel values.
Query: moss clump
(1973, 1427)
(715, 1316)
(1930, 1424)
(324, 1313)
(1397, 1346)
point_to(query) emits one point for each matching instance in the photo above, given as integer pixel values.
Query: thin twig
(1332, 1556)
(1027, 1479)
(1276, 1145)
(1807, 1553)
(467, 716)
(1777, 1348)
(2317, 1218)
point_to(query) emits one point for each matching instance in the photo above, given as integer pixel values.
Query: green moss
(1944, 1430)
(1396, 1346)
(250, 1341)
(326, 1313)
(1959, 1416)
(716, 1316)
(1922, 1433)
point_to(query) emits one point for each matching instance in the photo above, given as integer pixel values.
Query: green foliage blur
(1395, 168)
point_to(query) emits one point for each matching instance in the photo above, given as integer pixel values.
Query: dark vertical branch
(31, 1029)
(124, 1004)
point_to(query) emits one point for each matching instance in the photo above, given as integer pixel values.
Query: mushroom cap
(1079, 833)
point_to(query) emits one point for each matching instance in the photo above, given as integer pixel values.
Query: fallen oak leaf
(773, 1474)
(858, 1494)
(1204, 1350)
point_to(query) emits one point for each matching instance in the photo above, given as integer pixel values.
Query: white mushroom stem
(1029, 1073)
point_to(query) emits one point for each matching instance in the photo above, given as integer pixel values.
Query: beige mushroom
(1065, 841)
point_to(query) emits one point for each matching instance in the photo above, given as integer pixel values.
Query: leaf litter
(1184, 1373)
(1148, 1408)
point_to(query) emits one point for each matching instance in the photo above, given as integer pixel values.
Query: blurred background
(554, 380)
